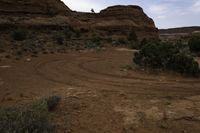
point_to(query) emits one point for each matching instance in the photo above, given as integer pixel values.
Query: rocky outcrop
(120, 20)
(115, 20)
(40, 7)
(34, 13)
(124, 19)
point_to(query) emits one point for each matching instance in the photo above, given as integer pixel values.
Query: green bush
(194, 44)
(19, 35)
(95, 42)
(184, 64)
(155, 55)
(52, 102)
(134, 45)
(33, 118)
(30, 119)
(166, 56)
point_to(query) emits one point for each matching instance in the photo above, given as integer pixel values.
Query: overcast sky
(166, 13)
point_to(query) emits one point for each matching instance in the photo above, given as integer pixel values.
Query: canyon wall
(115, 20)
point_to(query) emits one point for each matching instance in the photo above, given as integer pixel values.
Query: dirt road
(101, 96)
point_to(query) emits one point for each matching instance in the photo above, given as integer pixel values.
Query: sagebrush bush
(158, 55)
(32, 118)
(19, 35)
(52, 102)
(194, 44)
(184, 64)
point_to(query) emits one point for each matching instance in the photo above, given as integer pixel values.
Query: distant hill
(187, 30)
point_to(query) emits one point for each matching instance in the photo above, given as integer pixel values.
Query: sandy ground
(100, 96)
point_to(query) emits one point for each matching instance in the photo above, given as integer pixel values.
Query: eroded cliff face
(112, 21)
(125, 19)
(45, 7)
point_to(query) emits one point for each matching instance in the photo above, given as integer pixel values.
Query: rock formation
(115, 20)
(40, 7)
(124, 19)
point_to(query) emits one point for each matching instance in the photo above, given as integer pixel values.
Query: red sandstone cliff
(119, 20)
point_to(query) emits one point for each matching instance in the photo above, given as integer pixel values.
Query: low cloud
(158, 9)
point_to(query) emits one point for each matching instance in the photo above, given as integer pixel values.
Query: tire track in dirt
(82, 76)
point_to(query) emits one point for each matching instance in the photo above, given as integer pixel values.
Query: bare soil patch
(99, 95)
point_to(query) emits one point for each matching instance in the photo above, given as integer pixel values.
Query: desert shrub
(19, 53)
(1, 47)
(154, 55)
(28, 46)
(194, 44)
(30, 119)
(95, 42)
(68, 35)
(7, 56)
(52, 102)
(132, 36)
(184, 64)
(78, 33)
(68, 31)
(122, 41)
(84, 30)
(109, 39)
(137, 44)
(19, 35)
(115, 43)
(59, 38)
(33, 118)
(134, 45)
(166, 56)
(2, 50)
(1, 44)
(93, 45)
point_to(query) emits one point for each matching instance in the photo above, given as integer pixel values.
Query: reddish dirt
(100, 96)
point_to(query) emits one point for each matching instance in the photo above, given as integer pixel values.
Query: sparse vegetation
(194, 44)
(59, 38)
(19, 35)
(95, 42)
(134, 45)
(68, 32)
(33, 118)
(165, 56)
(184, 64)
(78, 33)
(122, 41)
(132, 36)
(52, 102)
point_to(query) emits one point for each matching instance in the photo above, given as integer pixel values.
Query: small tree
(194, 44)
(166, 56)
(92, 10)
